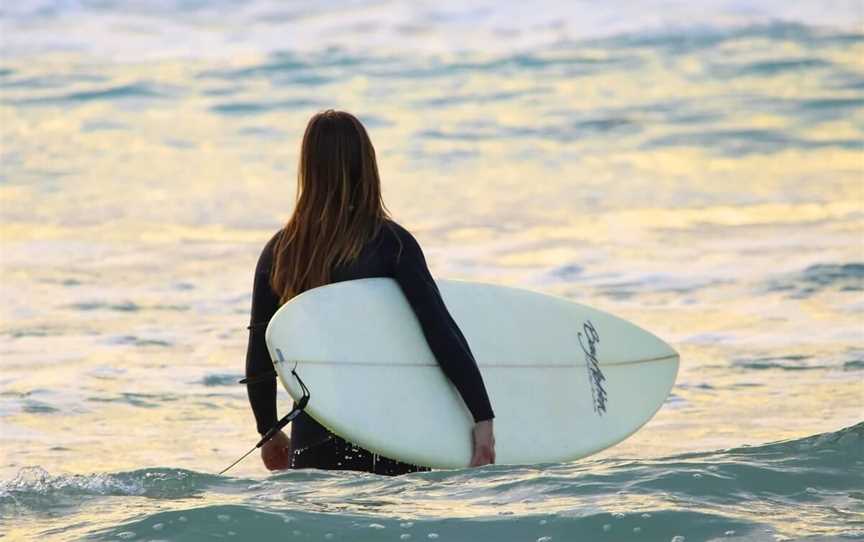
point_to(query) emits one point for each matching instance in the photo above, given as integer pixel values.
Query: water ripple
(696, 495)
(845, 277)
(120, 92)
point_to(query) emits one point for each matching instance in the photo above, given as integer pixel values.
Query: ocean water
(697, 168)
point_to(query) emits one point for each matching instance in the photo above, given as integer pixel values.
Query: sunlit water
(695, 168)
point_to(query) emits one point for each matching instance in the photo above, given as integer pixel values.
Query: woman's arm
(276, 452)
(261, 392)
(445, 339)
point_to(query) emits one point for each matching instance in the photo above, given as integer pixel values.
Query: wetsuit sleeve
(445, 339)
(262, 393)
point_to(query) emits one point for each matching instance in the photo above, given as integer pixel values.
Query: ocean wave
(138, 91)
(34, 488)
(259, 107)
(849, 361)
(700, 496)
(786, 363)
(220, 379)
(178, 27)
(749, 141)
(846, 277)
(219, 521)
(688, 39)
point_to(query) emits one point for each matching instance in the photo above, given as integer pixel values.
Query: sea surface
(695, 167)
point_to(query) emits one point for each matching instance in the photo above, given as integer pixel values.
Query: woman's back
(395, 253)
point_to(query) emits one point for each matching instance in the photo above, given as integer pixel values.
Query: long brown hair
(338, 207)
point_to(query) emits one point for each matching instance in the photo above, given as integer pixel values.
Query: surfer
(341, 230)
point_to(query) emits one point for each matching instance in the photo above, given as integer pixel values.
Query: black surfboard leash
(298, 408)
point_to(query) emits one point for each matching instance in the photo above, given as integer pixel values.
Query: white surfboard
(565, 380)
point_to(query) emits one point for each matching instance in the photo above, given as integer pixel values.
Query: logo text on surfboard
(588, 341)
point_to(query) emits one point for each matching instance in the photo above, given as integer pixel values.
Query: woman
(340, 230)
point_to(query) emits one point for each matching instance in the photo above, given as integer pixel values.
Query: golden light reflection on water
(171, 150)
(686, 191)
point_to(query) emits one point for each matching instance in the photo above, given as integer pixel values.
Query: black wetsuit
(393, 253)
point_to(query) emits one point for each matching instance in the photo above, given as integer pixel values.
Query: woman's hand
(484, 444)
(276, 452)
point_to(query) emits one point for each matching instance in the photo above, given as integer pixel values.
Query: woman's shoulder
(267, 252)
(398, 231)
(403, 241)
(275, 237)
